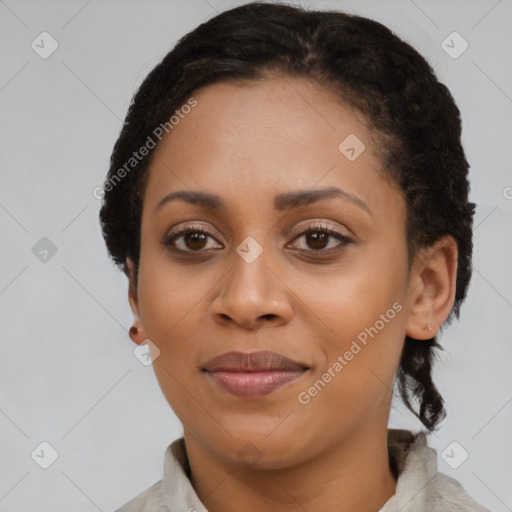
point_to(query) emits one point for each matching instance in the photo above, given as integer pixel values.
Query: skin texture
(247, 142)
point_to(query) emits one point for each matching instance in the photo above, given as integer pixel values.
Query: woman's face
(249, 278)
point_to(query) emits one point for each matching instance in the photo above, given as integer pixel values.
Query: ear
(137, 332)
(432, 288)
(129, 270)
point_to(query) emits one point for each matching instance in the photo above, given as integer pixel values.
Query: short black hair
(412, 115)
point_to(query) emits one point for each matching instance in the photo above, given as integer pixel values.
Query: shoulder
(173, 492)
(151, 500)
(451, 496)
(420, 486)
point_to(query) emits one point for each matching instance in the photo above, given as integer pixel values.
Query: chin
(262, 451)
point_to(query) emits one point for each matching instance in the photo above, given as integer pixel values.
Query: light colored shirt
(420, 487)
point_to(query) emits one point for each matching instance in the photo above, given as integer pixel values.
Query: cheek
(357, 373)
(346, 302)
(363, 321)
(169, 307)
(166, 296)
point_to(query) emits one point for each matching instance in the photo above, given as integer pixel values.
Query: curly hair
(412, 116)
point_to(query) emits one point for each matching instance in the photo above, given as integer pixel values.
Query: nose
(252, 295)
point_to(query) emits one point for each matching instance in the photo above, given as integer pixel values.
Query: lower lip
(253, 385)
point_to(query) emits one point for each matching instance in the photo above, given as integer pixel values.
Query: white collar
(420, 487)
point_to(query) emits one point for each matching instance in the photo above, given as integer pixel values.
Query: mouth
(252, 375)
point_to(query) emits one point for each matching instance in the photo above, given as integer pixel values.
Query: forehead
(256, 138)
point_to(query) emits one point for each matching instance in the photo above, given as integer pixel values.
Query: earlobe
(137, 333)
(432, 288)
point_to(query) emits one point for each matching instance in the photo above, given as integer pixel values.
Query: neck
(353, 475)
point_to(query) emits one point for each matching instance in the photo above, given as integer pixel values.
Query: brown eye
(195, 240)
(317, 240)
(322, 240)
(191, 240)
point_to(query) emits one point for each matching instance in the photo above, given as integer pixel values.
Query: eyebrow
(285, 201)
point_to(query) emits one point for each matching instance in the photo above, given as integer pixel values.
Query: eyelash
(318, 228)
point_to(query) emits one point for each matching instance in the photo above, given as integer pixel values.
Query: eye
(196, 239)
(190, 239)
(322, 239)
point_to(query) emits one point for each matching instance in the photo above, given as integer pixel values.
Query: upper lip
(263, 361)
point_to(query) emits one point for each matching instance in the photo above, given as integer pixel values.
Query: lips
(252, 375)
(252, 362)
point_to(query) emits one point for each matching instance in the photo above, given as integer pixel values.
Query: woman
(288, 198)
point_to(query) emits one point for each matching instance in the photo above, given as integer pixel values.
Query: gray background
(67, 369)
